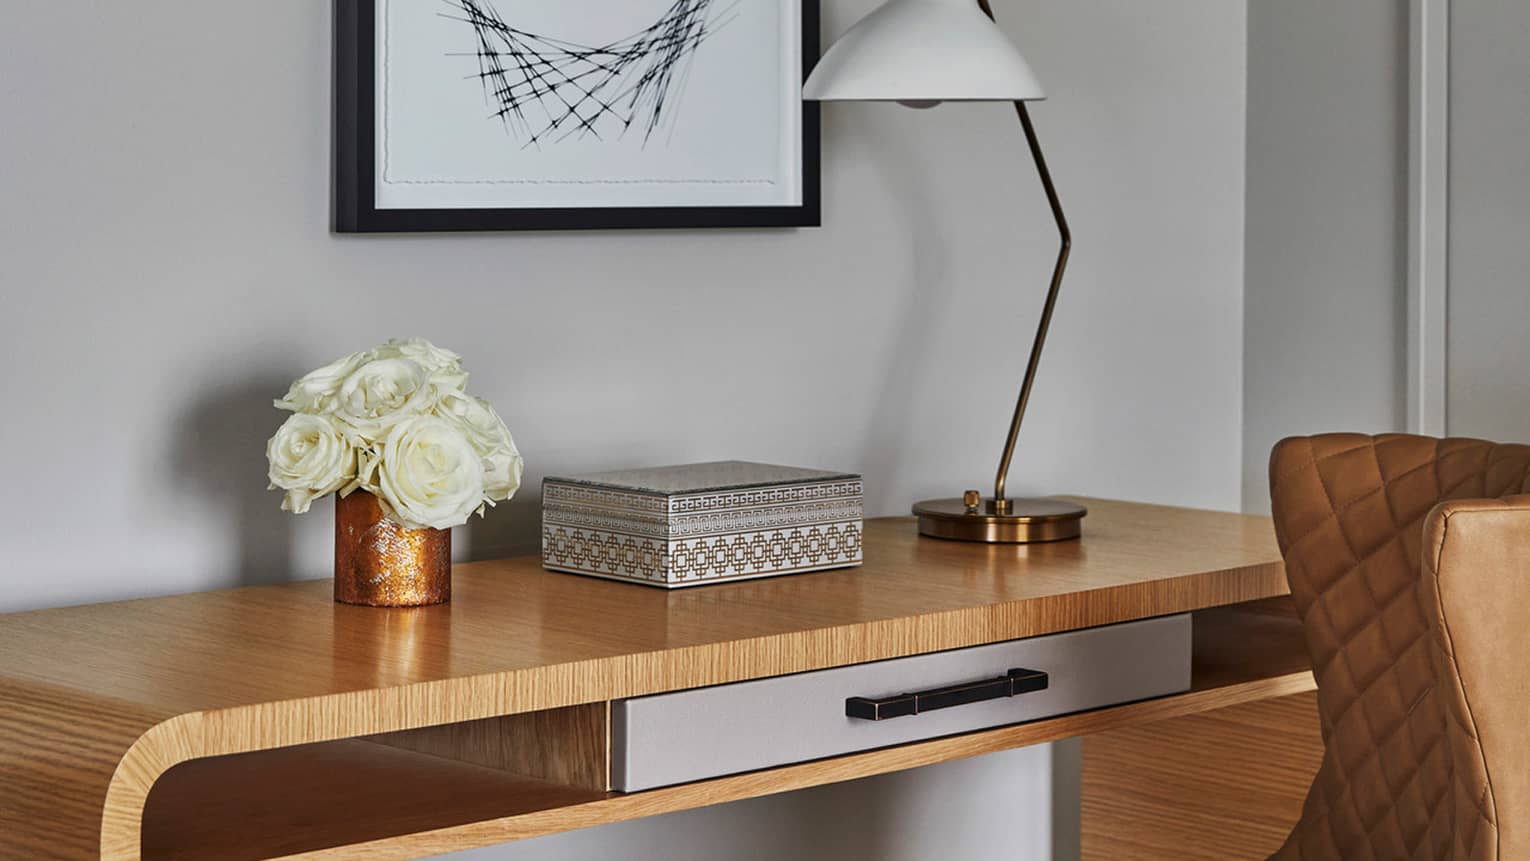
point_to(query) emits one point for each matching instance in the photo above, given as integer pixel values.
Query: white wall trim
(1428, 212)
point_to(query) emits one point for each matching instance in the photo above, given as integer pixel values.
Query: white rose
(502, 475)
(315, 391)
(443, 366)
(381, 392)
(429, 474)
(487, 433)
(368, 457)
(309, 457)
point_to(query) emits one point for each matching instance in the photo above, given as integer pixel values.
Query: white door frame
(1428, 212)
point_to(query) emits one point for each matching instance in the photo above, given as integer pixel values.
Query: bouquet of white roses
(394, 421)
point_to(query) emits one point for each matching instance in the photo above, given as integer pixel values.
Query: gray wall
(1325, 277)
(167, 269)
(1488, 354)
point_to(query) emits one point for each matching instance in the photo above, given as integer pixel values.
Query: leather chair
(1409, 563)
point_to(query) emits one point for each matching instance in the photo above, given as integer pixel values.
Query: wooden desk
(346, 732)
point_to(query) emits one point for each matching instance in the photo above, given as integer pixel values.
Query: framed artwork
(558, 114)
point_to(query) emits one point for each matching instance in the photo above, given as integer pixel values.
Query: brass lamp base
(1026, 521)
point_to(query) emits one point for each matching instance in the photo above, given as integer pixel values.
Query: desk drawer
(708, 732)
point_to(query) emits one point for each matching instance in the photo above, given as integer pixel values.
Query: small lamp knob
(972, 499)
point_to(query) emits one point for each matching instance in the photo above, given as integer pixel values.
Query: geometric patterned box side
(705, 523)
(645, 510)
(683, 562)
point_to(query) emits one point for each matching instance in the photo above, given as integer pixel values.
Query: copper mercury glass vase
(380, 563)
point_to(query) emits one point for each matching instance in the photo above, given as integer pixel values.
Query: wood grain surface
(1225, 785)
(282, 802)
(96, 702)
(400, 815)
(570, 746)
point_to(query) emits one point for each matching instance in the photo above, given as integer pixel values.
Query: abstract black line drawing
(546, 90)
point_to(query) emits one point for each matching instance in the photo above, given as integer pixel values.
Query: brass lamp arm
(1005, 520)
(1001, 503)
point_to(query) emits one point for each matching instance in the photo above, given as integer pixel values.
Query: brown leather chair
(1410, 567)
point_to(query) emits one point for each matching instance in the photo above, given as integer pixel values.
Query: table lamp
(921, 53)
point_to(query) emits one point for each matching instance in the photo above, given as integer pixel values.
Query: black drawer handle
(1015, 682)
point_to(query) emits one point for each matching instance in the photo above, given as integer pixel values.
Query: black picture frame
(354, 178)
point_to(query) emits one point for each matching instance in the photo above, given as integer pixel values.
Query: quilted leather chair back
(1403, 774)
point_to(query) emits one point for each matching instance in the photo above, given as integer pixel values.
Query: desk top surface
(98, 701)
(519, 638)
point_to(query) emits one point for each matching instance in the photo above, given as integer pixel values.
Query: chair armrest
(1476, 591)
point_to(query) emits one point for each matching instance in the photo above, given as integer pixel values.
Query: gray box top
(701, 477)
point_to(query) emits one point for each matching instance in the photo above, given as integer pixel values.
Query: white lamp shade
(923, 51)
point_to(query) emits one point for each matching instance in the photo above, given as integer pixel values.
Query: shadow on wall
(511, 528)
(221, 447)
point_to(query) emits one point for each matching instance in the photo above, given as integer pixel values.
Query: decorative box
(700, 523)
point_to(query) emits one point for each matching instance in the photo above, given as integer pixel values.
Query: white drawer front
(691, 735)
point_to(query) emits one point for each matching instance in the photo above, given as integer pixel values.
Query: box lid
(711, 477)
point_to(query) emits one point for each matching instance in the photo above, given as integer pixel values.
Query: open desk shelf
(319, 796)
(366, 800)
